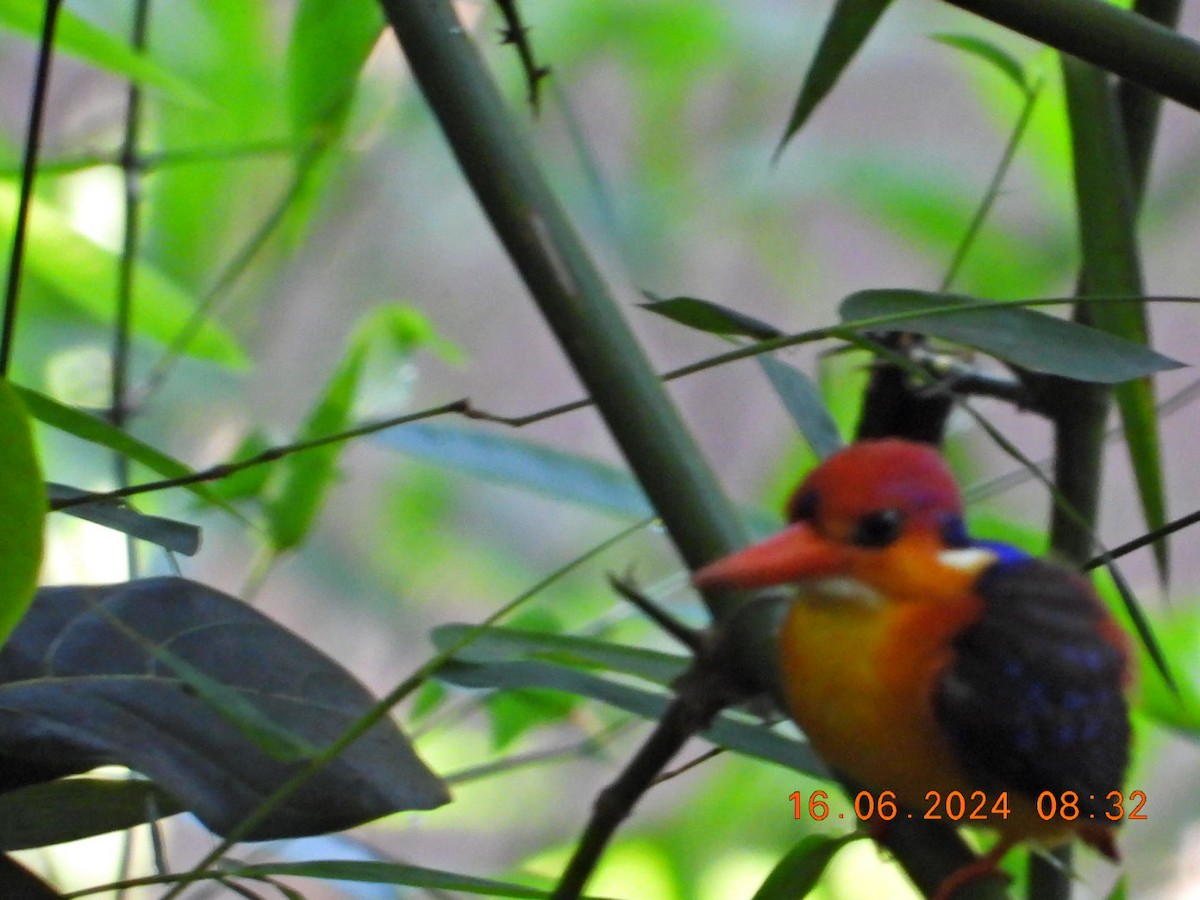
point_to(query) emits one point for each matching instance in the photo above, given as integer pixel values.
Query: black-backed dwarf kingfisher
(918, 660)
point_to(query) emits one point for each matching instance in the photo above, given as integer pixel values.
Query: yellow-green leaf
(23, 499)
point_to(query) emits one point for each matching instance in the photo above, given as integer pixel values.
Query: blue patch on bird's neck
(1005, 553)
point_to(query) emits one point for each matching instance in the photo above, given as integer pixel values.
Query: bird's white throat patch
(967, 559)
(842, 590)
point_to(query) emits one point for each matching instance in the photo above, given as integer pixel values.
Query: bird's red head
(885, 513)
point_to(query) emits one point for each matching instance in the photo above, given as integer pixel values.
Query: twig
(33, 141)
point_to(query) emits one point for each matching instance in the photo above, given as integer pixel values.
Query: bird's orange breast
(860, 677)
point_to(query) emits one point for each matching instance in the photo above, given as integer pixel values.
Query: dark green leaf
(989, 52)
(69, 809)
(23, 506)
(18, 881)
(1010, 332)
(178, 537)
(801, 868)
(391, 873)
(847, 30)
(805, 405)
(111, 700)
(704, 315)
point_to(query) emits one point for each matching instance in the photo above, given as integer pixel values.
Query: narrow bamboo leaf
(499, 644)
(847, 30)
(373, 872)
(798, 872)
(69, 809)
(1107, 217)
(1003, 61)
(85, 274)
(23, 501)
(77, 37)
(521, 463)
(1139, 422)
(804, 403)
(1013, 333)
(728, 729)
(96, 431)
(309, 475)
(329, 44)
(799, 395)
(704, 315)
(86, 680)
(178, 537)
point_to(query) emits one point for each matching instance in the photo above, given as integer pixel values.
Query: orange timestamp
(978, 806)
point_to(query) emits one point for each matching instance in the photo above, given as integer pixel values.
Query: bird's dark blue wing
(1034, 700)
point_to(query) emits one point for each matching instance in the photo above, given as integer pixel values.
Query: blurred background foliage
(311, 258)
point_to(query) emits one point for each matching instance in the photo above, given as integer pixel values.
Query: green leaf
(847, 30)
(329, 44)
(69, 809)
(178, 537)
(731, 730)
(1011, 332)
(308, 476)
(997, 56)
(499, 644)
(86, 275)
(795, 389)
(373, 872)
(23, 500)
(77, 37)
(801, 868)
(704, 315)
(515, 713)
(521, 463)
(805, 405)
(97, 431)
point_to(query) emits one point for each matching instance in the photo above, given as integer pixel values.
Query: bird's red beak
(795, 554)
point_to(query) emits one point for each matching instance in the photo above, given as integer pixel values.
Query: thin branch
(516, 32)
(33, 139)
(224, 470)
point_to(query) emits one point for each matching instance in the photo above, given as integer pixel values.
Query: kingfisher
(920, 661)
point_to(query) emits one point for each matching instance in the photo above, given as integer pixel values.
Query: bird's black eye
(877, 529)
(954, 533)
(802, 507)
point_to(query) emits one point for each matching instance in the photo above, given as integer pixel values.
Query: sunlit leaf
(23, 501)
(77, 37)
(329, 44)
(85, 274)
(373, 872)
(798, 872)
(308, 476)
(96, 431)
